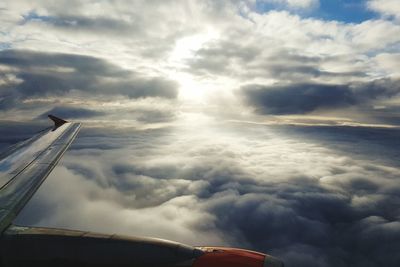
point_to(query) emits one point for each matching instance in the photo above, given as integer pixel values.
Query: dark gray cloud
(304, 98)
(130, 25)
(297, 98)
(12, 132)
(388, 114)
(154, 116)
(223, 57)
(234, 57)
(71, 113)
(381, 140)
(37, 74)
(82, 23)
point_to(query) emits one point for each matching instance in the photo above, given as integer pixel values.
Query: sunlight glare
(192, 89)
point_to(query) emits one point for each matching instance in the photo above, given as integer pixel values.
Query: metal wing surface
(25, 166)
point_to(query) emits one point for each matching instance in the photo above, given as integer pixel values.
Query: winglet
(57, 121)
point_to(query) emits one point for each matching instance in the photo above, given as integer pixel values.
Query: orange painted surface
(229, 257)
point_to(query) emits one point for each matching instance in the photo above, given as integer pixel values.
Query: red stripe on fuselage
(229, 257)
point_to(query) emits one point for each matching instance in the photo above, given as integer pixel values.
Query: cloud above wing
(304, 98)
(66, 112)
(37, 74)
(196, 51)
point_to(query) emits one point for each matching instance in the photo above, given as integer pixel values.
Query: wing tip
(57, 121)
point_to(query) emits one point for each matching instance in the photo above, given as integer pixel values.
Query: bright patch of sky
(348, 11)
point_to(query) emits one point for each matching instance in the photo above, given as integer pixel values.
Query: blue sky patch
(34, 16)
(348, 11)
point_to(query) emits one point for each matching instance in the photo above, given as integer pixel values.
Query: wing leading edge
(26, 165)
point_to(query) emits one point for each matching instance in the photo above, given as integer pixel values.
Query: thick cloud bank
(315, 196)
(31, 74)
(304, 98)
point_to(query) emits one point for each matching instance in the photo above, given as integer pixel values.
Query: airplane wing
(25, 166)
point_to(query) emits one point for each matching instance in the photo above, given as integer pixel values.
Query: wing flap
(25, 169)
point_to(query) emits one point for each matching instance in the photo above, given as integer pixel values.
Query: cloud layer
(315, 197)
(196, 52)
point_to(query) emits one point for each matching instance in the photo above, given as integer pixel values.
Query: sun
(187, 46)
(191, 88)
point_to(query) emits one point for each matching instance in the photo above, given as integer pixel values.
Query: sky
(271, 125)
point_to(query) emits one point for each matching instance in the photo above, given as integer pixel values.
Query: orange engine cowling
(232, 257)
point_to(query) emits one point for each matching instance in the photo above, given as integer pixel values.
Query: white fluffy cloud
(389, 63)
(385, 7)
